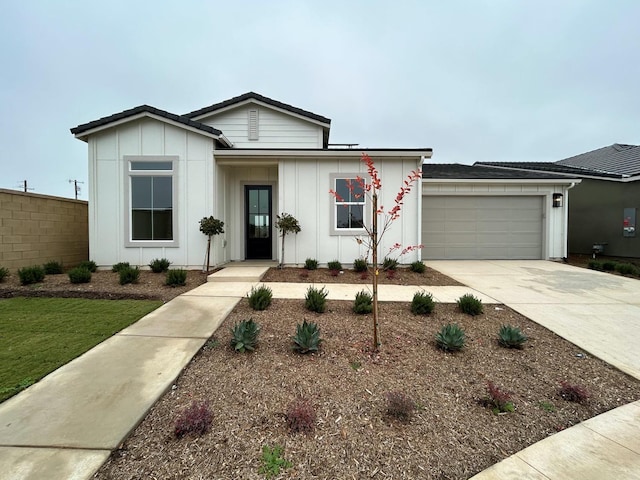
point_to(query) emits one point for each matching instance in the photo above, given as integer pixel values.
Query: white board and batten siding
(492, 221)
(107, 190)
(304, 192)
(272, 129)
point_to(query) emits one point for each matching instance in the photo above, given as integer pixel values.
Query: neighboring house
(471, 212)
(603, 208)
(153, 175)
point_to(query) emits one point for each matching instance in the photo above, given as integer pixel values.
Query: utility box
(629, 222)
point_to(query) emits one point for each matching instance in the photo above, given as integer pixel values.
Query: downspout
(566, 221)
(419, 223)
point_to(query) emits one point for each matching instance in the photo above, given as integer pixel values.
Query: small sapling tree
(381, 221)
(210, 226)
(286, 223)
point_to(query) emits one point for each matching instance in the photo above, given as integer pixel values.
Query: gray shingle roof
(548, 167)
(261, 98)
(618, 159)
(457, 171)
(142, 109)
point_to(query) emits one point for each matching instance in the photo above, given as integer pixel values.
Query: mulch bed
(452, 435)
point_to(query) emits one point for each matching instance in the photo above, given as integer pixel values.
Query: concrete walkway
(600, 313)
(66, 425)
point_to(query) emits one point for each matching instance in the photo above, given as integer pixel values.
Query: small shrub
(391, 274)
(608, 266)
(625, 269)
(363, 303)
(334, 273)
(304, 274)
(4, 273)
(360, 265)
(79, 275)
(547, 406)
(418, 267)
(120, 266)
(244, 336)
(301, 416)
(389, 263)
(499, 400)
(334, 265)
(400, 406)
(31, 275)
(176, 277)
(53, 268)
(315, 299)
(511, 337)
(450, 338)
(307, 338)
(159, 265)
(89, 265)
(422, 303)
(129, 275)
(595, 265)
(364, 275)
(470, 305)
(272, 461)
(573, 392)
(311, 264)
(260, 298)
(195, 419)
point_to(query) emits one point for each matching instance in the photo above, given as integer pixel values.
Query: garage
(460, 227)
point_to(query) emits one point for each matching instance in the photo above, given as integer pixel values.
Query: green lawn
(38, 335)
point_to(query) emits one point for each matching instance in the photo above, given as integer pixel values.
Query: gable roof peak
(260, 98)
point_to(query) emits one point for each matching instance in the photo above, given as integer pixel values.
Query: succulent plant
(511, 337)
(450, 338)
(307, 338)
(245, 336)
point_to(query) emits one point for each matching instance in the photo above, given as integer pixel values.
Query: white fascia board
(262, 104)
(399, 154)
(494, 181)
(84, 135)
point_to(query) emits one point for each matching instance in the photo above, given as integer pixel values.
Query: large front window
(349, 203)
(151, 209)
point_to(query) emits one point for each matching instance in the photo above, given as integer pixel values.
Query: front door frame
(257, 250)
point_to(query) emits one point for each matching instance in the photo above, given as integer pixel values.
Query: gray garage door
(482, 227)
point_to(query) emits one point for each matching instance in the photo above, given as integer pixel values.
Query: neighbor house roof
(261, 98)
(141, 111)
(455, 171)
(615, 162)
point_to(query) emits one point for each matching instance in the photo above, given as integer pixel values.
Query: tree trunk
(374, 242)
(208, 252)
(282, 256)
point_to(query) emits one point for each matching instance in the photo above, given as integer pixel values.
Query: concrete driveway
(597, 311)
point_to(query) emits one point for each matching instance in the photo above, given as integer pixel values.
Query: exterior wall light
(557, 200)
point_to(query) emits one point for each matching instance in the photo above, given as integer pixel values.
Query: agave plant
(511, 337)
(245, 336)
(307, 338)
(450, 338)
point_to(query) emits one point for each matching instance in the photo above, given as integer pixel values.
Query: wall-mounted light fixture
(557, 200)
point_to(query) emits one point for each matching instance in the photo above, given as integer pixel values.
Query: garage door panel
(482, 227)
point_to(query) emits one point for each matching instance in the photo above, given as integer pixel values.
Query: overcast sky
(474, 80)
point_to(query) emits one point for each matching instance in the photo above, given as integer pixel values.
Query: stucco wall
(35, 229)
(596, 215)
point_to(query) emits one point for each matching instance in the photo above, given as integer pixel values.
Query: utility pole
(23, 185)
(75, 186)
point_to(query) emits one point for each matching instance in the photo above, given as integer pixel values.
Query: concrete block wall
(35, 229)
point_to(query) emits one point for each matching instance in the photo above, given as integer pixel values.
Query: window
(151, 196)
(348, 207)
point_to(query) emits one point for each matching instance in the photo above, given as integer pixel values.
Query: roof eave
(553, 181)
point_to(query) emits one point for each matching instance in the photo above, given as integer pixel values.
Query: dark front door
(257, 200)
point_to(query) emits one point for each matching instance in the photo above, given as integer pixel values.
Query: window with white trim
(151, 201)
(348, 206)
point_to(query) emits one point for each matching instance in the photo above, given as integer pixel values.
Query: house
(603, 207)
(154, 174)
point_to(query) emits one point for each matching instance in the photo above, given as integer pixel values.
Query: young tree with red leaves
(381, 221)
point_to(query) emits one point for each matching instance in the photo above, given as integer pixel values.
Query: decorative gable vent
(253, 124)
